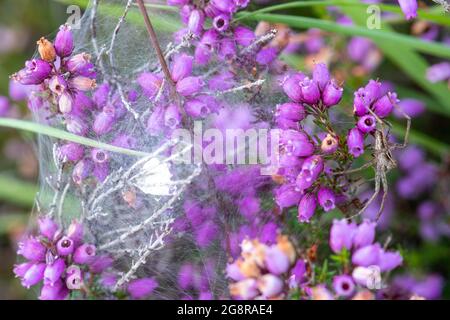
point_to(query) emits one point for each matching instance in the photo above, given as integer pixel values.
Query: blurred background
(417, 215)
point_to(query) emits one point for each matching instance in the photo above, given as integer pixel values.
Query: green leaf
(64, 135)
(15, 191)
(434, 15)
(430, 47)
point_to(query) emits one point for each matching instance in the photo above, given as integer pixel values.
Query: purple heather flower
(306, 207)
(83, 83)
(65, 102)
(101, 171)
(124, 141)
(82, 170)
(244, 36)
(438, 72)
(242, 3)
(57, 84)
(78, 62)
(249, 206)
(81, 103)
(388, 261)
(196, 22)
(227, 49)
(343, 285)
(298, 273)
(20, 269)
(383, 106)
(355, 142)
(270, 285)
(367, 256)
(310, 91)
(75, 232)
(103, 123)
(297, 143)
(286, 196)
(100, 96)
(76, 125)
(411, 107)
(74, 281)
(32, 249)
(53, 271)
(341, 235)
(206, 233)
(18, 91)
(84, 254)
(312, 167)
(64, 41)
(65, 246)
(409, 8)
(266, 55)
(291, 111)
(101, 263)
(205, 295)
(332, 94)
(172, 117)
(33, 275)
(186, 276)
(190, 85)
(364, 234)
(276, 261)
(182, 67)
(269, 233)
(329, 144)
(150, 84)
(196, 108)
(360, 106)
(47, 227)
(141, 288)
(99, 156)
(222, 81)
(326, 199)
(233, 272)
(367, 123)
(321, 75)
(71, 151)
(292, 86)
(221, 22)
(58, 291)
(358, 48)
(372, 91)
(227, 6)
(35, 72)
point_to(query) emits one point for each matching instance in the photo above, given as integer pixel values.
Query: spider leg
(372, 198)
(385, 192)
(364, 166)
(408, 129)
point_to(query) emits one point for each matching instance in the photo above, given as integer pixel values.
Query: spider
(382, 161)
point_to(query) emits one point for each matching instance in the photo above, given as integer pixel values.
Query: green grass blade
(64, 135)
(15, 191)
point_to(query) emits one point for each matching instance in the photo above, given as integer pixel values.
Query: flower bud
(189, 86)
(103, 123)
(46, 50)
(389, 260)
(367, 123)
(47, 227)
(383, 106)
(307, 207)
(364, 234)
(54, 292)
(140, 288)
(150, 84)
(64, 41)
(292, 86)
(360, 105)
(409, 8)
(182, 67)
(286, 196)
(411, 107)
(33, 275)
(326, 199)
(221, 22)
(310, 91)
(53, 272)
(32, 249)
(227, 6)
(18, 91)
(35, 72)
(101, 263)
(312, 167)
(329, 145)
(355, 142)
(83, 83)
(78, 62)
(196, 22)
(65, 246)
(297, 143)
(65, 102)
(366, 256)
(321, 75)
(291, 111)
(341, 235)
(196, 108)
(172, 117)
(332, 94)
(71, 151)
(84, 254)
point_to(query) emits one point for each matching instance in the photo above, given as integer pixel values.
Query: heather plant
(126, 210)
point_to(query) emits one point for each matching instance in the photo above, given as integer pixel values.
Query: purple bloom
(343, 285)
(141, 288)
(65, 102)
(411, 107)
(298, 272)
(78, 63)
(411, 158)
(383, 106)
(75, 232)
(360, 106)
(74, 281)
(190, 85)
(286, 196)
(249, 206)
(329, 144)
(150, 84)
(47, 227)
(297, 143)
(367, 256)
(292, 86)
(33, 275)
(101, 263)
(64, 41)
(367, 123)
(32, 249)
(388, 261)
(227, 6)
(438, 72)
(206, 233)
(103, 123)
(65, 246)
(221, 22)
(71, 151)
(182, 67)
(18, 91)
(270, 285)
(409, 8)
(82, 170)
(100, 95)
(266, 55)
(244, 36)
(99, 156)
(326, 199)
(355, 142)
(332, 94)
(321, 75)
(341, 235)
(53, 272)
(196, 22)
(172, 117)
(364, 234)
(307, 207)
(227, 49)
(291, 111)
(196, 108)
(186, 276)
(310, 91)
(276, 261)
(372, 91)
(35, 72)
(20, 269)
(84, 254)
(311, 169)
(54, 292)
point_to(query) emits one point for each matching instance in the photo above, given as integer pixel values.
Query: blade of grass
(64, 135)
(432, 14)
(15, 191)
(433, 48)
